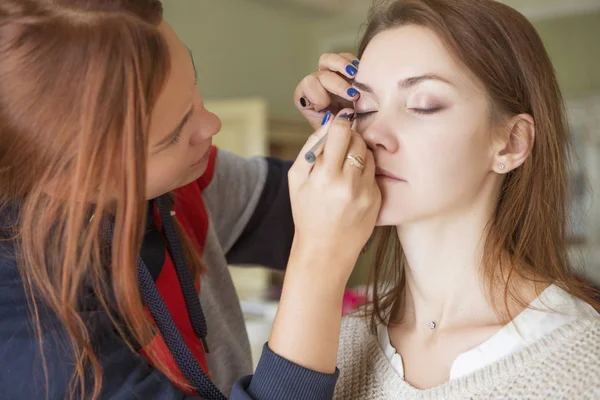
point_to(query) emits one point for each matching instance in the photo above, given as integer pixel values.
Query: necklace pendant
(432, 325)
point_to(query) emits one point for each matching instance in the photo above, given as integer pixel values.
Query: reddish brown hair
(78, 83)
(527, 235)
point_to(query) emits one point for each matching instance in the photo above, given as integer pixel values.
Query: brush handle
(313, 153)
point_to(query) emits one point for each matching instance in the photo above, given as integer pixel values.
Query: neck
(443, 262)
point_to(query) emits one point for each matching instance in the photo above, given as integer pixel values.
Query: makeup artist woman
(115, 210)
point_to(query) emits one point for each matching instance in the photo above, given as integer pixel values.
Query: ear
(515, 144)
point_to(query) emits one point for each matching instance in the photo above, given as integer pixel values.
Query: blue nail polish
(351, 70)
(326, 118)
(350, 117)
(352, 92)
(355, 63)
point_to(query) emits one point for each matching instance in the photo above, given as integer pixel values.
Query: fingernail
(352, 92)
(326, 118)
(355, 63)
(351, 70)
(349, 117)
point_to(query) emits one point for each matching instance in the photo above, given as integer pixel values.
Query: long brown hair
(78, 82)
(526, 238)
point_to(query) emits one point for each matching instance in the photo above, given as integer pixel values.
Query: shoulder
(354, 334)
(355, 326)
(567, 361)
(228, 169)
(357, 343)
(578, 346)
(361, 361)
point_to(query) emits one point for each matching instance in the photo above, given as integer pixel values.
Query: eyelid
(426, 110)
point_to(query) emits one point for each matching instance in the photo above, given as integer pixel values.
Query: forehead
(176, 98)
(409, 51)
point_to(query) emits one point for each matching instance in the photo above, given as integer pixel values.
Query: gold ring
(356, 160)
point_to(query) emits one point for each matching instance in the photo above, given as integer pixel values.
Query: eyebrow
(171, 136)
(405, 83)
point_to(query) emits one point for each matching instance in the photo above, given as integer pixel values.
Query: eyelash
(176, 138)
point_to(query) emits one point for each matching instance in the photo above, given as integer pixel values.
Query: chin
(198, 171)
(383, 220)
(398, 214)
(391, 212)
(191, 176)
(388, 216)
(194, 174)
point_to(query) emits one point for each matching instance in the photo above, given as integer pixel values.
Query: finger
(338, 140)
(369, 171)
(352, 59)
(301, 167)
(313, 91)
(337, 63)
(335, 84)
(355, 157)
(368, 175)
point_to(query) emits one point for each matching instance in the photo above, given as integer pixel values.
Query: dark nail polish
(326, 118)
(351, 70)
(349, 117)
(303, 102)
(352, 92)
(355, 63)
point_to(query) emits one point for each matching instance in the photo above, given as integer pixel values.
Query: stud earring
(501, 166)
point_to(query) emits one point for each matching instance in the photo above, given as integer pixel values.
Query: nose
(379, 135)
(214, 123)
(207, 124)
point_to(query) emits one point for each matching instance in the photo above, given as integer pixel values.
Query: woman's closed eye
(423, 103)
(426, 110)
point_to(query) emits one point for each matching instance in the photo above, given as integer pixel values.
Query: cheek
(448, 168)
(163, 175)
(457, 153)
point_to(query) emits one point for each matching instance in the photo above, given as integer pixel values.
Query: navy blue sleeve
(267, 238)
(277, 378)
(127, 375)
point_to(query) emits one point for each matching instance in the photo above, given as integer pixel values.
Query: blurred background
(251, 54)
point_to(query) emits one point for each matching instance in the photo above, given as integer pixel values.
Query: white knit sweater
(562, 365)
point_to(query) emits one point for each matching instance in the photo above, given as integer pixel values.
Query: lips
(383, 173)
(204, 158)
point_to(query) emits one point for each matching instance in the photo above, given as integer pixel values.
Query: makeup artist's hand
(335, 206)
(328, 89)
(335, 203)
